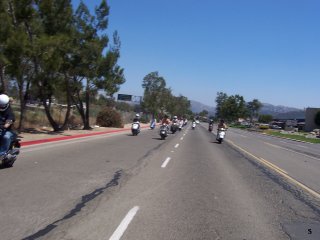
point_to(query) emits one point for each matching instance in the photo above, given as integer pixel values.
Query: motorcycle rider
(222, 124)
(6, 120)
(175, 124)
(165, 120)
(137, 118)
(210, 124)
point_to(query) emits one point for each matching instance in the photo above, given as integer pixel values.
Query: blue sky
(264, 49)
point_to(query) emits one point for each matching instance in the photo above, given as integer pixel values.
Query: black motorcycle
(174, 127)
(11, 155)
(210, 127)
(163, 131)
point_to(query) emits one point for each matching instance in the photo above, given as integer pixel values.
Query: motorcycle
(163, 131)
(210, 127)
(221, 134)
(174, 127)
(193, 125)
(11, 155)
(135, 128)
(181, 125)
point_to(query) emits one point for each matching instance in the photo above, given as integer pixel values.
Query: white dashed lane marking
(124, 224)
(165, 163)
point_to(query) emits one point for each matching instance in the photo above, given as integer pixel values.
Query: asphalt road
(124, 187)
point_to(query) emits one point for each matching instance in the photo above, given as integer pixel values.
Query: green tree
(220, 100)
(253, 108)
(52, 44)
(178, 105)
(15, 48)
(155, 93)
(232, 108)
(91, 69)
(203, 113)
(265, 118)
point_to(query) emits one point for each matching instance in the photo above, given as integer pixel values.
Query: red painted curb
(47, 140)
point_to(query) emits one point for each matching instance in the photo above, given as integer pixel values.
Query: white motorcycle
(221, 134)
(193, 125)
(135, 128)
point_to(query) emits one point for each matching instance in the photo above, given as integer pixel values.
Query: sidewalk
(43, 136)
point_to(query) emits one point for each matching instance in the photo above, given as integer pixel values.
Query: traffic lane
(206, 191)
(102, 216)
(301, 147)
(48, 181)
(304, 168)
(209, 191)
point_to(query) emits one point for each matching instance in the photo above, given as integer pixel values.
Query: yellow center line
(278, 170)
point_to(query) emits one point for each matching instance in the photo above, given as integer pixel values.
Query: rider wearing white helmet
(6, 120)
(137, 118)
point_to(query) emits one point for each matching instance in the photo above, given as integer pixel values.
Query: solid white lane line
(177, 145)
(289, 150)
(164, 164)
(302, 146)
(242, 135)
(283, 141)
(124, 224)
(181, 138)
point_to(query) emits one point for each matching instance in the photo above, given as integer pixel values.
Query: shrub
(108, 117)
(144, 119)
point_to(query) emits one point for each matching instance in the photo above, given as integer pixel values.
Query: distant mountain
(282, 112)
(198, 107)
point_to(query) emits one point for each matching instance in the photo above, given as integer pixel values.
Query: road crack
(73, 212)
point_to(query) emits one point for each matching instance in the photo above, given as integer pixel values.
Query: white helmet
(175, 117)
(4, 102)
(137, 115)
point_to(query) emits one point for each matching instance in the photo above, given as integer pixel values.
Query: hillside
(282, 112)
(198, 107)
(277, 111)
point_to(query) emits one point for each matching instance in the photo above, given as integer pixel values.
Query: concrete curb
(56, 139)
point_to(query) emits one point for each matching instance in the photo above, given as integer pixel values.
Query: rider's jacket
(136, 119)
(5, 116)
